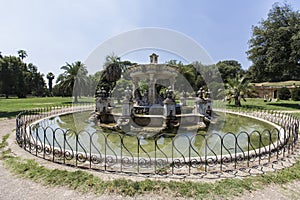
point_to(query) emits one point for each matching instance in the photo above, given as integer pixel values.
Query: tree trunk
(75, 99)
(237, 101)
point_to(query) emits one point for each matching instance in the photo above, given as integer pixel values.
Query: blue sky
(55, 32)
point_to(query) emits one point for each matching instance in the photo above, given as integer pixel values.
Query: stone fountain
(153, 111)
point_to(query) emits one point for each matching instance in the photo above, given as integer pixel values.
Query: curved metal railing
(263, 149)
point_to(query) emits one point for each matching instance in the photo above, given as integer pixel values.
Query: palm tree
(50, 77)
(113, 68)
(113, 71)
(238, 88)
(74, 77)
(22, 54)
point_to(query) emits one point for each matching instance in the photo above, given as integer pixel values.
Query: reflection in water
(91, 137)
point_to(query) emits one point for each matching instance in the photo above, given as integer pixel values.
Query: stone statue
(102, 101)
(170, 93)
(138, 97)
(145, 98)
(128, 93)
(208, 94)
(200, 93)
(184, 95)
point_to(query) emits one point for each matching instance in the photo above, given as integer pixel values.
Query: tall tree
(73, 78)
(229, 69)
(34, 81)
(208, 76)
(114, 68)
(12, 76)
(274, 46)
(6, 80)
(50, 77)
(22, 54)
(19, 78)
(186, 79)
(238, 88)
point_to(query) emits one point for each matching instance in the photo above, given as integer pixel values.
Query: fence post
(138, 152)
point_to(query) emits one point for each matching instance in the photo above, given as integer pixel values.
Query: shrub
(296, 94)
(284, 93)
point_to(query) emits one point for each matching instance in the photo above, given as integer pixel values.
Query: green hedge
(284, 94)
(296, 94)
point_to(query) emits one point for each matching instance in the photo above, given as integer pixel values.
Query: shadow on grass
(78, 103)
(246, 106)
(269, 106)
(9, 115)
(286, 105)
(67, 103)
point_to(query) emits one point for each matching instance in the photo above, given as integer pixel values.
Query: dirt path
(12, 187)
(274, 192)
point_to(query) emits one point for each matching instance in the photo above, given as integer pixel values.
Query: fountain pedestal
(103, 107)
(169, 108)
(124, 122)
(170, 120)
(183, 101)
(208, 109)
(200, 106)
(126, 108)
(112, 101)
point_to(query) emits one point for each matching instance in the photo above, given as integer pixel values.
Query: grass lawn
(10, 107)
(257, 103)
(297, 114)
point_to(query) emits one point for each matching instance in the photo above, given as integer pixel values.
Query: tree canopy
(229, 69)
(20, 79)
(114, 68)
(74, 79)
(274, 47)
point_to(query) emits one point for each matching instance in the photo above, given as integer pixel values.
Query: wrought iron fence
(128, 154)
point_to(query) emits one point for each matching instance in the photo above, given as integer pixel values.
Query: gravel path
(274, 192)
(12, 187)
